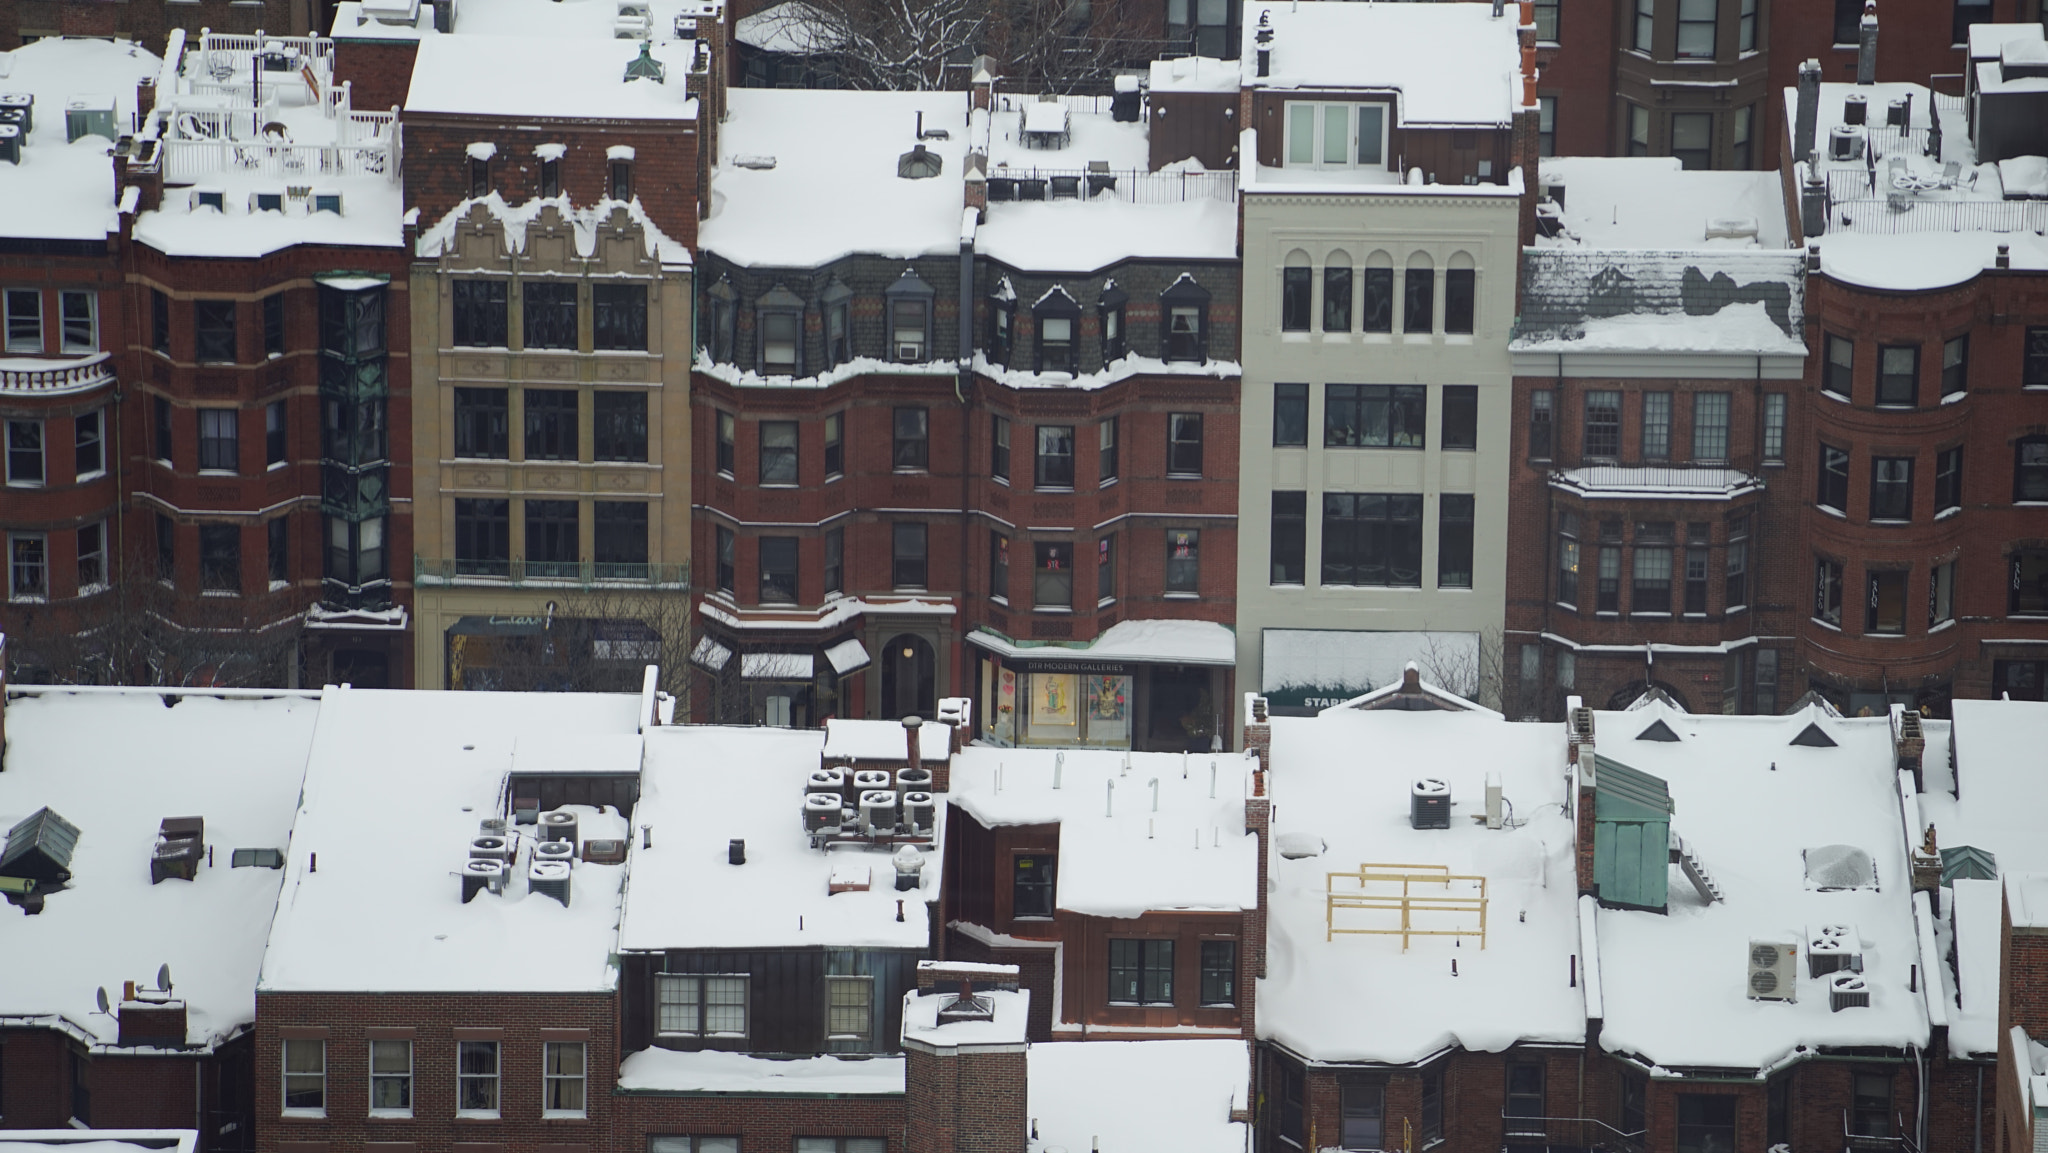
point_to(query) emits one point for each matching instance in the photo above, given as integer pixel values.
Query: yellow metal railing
(1460, 896)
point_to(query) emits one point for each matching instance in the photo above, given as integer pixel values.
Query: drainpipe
(962, 380)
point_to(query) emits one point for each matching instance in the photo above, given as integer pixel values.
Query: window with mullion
(1219, 973)
(1052, 575)
(619, 426)
(1337, 298)
(476, 1074)
(911, 449)
(1603, 425)
(1568, 559)
(219, 440)
(1696, 570)
(1709, 427)
(1374, 415)
(1183, 560)
(1033, 884)
(1898, 375)
(1838, 375)
(1546, 20)
(778, 570)
(1645, 26)
(1696, 27)
(1656, 426)
(483, 537)
(480, 314)
(1454, 541)
(563, 1078)
(482, 424)
(1736, 592)
(391, 1078)
(213, 327)
(548, 314)
(618, 317)
(1296, 290)
(1372, 539)
(1376, 312)
(550, 421)
(552, 538)
(619, 539)
(305, 1075)
(1140, 972)
(778, 452)
(1053, 460)
(1706, 1123)
(999, 448)
(1184, 444)
(1362, 1109)
(1650, 586)
(25, 464)
(1891, 488)
(698, 1006)
(1056, 322)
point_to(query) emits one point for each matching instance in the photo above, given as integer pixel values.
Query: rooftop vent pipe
(1807, 113)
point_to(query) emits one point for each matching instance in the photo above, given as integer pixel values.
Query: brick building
(939, 458)
(151, 21)
(231, 519)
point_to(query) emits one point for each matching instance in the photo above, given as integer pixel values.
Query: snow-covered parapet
(438, 238)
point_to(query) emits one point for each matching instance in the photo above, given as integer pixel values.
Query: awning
(1162, 642)
(847, 656)
(710, 654)
(1303, 671)
(775, 666)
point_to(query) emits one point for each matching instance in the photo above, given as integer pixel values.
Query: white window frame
(85, 587)
(285, 1075)
(551, 1080)
(850, 981)
(496, 1077)
(16, 591)
(697, 983)
(42, 451)
(376, 1076)
(99, 420)
(65, 299)
(1318, 113)
(8, 299)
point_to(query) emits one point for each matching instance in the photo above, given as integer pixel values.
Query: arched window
(1297, 290)
(1377, 311)
(1337, 291)
(1460, 293)
(1418, 295)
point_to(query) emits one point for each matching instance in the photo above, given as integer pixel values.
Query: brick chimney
(1580, 739)
(1866, 44)
(911, 734)
(965, 1096)
(1258, 731)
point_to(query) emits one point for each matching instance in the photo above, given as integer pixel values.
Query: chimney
(1813, 258)
(964, 1055)
(1580, 738)
(1807, 112)
(1258, 731)
(1265, 42)
(911, 727)
(2004, 256)
(160, 1024)
(981, 83)
(1866, 45)
(1813, 208)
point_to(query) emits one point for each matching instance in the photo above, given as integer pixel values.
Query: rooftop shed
(1631, 836)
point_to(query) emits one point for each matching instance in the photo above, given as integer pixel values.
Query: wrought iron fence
(1131, 186)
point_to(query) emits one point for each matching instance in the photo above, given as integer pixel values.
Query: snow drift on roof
(1453, 63)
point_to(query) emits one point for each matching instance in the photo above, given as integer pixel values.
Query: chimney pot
(911, 732)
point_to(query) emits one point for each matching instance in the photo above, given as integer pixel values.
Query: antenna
(103, 999)
(163, 976)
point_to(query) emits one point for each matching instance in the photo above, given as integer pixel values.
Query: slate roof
(1564, 289)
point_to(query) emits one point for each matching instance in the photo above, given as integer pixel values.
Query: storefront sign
(1086, 668)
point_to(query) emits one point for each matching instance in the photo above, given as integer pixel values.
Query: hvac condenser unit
(1773, 971)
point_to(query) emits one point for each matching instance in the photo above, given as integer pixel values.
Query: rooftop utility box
(89, 116)
(1429, 804)
(1631, 836)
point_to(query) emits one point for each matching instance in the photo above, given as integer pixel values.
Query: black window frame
(89, 444)
(725, 447)
(276, 434)
(1542, 424)
(1655, 548)
(1898, 388)
(999, 448)
(1705, 1122)
(1290, 415)
(618, 425)
(620, 178)
(1183, 571)
(1455, 513)
(2030, 469)
(159, 321)
(1368, 533)
(1105, 569)
(725, 547)
(273, 325)
(218, 451)
(166, 548)
(2027, 595)
(548, 315)
(1184, 299)
(1832, 487)
(1891, 489)
(1601, 436)
(1418, 300)
(998, 567)
(482, 314)
(549, 420)
(618, 317)
(1955, 365)
(835, 562)
(1870, 1109)
(1885, 601)
(1376, 299)
(1523, 1098)
(1297, 297)
(220, 558)
(483, 536)
(1838, 370)
(1570, 559)
(1461, 301)
(1050, 355)
(1109, 449)
(1143, 967)
(835, 445)
(1110, 312)
(619, 539)
(1033, 893)
(2034, 358)
(1288, 544)
(1697, 152)
(1948, 479)
(554, 544)
(1348, 411)
(482, 424)
(213, 332)
(1460, 431)
(1735, 586)
(1698, 567)
(1827, 591)
(1361, 1112)
(1336, 310)
(1217, 987)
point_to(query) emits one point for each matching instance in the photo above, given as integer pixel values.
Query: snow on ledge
(673, 1071)
(481, 150)
(438, 239)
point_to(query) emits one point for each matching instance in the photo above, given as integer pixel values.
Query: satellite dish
(163, 977)
(103, 999)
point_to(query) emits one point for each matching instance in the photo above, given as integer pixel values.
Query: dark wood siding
(980, 867)
(621, 791)
(785, 997)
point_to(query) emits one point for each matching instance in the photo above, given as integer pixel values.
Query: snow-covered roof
(1002, 1028)
(1165, 641)
(115, 764)
(99, 1140)
(789, 27)
(1749, 804)
(1342, 780)
(1654, 202)
(1898, 219)
(395, 787)
(1590, 300)
(704, 787)
(1453, 64)
(833, 188)
(658, 1070)
(60, 190)
(560, 78)
(859, 740)
(1122, 853)
(1194, 74)
(1983, 789)
(1169, 1095)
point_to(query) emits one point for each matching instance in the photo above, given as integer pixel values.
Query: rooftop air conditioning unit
(1847, 991)
(1855, 109)
(1833, 949)
(604, 851)
(555, 851)
(918, 810)
(832, 780)
(26, 103)
(89, 116)
(549, 878)
(878, 812)
(559, 825)
(1845, 143)
(909, 353)
(175, 858)
(1429, 804)
(821, 813)
(492, 827)
(915, 778)
(867, 779)
(525, 810)
(1773, 971)
(480, 875)
(10, 143)
(490, 848)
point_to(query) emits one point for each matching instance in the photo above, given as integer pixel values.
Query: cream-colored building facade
(1303, 639)
(500, 599)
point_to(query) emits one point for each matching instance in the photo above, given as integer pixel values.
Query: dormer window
(550, 178)
(1110, 310)
(1056, 317)
(1184, 321)
(1336, 135)
(779, 314)
(269, 201)
(622, 178)
(1002, 323)
(327, 202)
(724, 315)
(909, 308)
(837, 303)
(214, 200)
(479, 176)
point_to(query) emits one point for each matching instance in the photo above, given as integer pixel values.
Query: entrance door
(908, 678)
(1181, 713)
